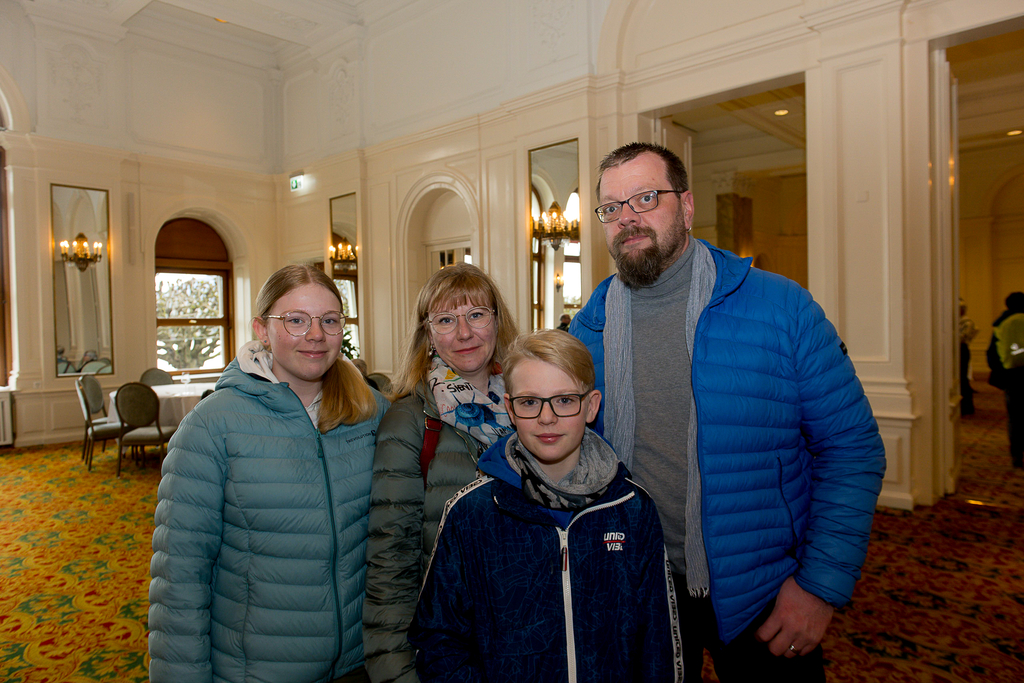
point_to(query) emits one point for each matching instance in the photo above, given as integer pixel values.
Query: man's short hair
(1015, 302)
(564, 351)
(673, 164)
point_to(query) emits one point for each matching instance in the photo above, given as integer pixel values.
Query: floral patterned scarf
(463, 406)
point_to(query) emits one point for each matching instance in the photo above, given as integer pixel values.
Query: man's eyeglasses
(297, 323)
(563, 405)
(478, 317)
(645, 201)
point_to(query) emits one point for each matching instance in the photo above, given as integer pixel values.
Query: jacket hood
(494, 463)
(277, 397)
(731, 272)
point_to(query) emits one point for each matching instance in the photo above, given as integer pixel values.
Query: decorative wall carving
(549, 23)
(293, 22)
(100, 4)
(341, 90)
(77, 86)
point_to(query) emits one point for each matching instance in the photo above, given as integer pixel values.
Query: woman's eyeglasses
(297, 323)
(478, 317)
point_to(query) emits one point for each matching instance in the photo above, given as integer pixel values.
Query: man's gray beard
(644, 268)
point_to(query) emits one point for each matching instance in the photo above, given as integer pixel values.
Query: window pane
(189, 295)
(190, 347)
(572, 292)
(348, 297)
(350, 341)
(572, 248)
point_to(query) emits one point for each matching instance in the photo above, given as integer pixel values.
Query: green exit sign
(296, 182)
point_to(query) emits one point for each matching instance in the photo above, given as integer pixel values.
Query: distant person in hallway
(563, 322)
(968, 331)
(448, 409)
(732, 400)
(1009, 340)
(997, 374)
(554, 495)
(259, 553)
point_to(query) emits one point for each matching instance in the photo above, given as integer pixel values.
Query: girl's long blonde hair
(347, 398)
(451, 287)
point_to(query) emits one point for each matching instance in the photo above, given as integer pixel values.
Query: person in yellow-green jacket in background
(1009, 338)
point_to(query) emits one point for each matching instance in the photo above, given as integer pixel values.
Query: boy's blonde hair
(561, 349)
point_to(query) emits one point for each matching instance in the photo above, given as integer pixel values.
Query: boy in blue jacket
(552, 566)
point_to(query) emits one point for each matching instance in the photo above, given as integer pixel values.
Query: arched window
(193, 298)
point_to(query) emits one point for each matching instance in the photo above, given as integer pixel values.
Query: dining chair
(96, 367)
(96, 428)
(138, 408)
(155, 377)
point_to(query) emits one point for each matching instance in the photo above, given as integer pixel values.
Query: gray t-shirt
(662, 395)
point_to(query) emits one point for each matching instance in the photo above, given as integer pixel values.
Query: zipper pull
(565, 558)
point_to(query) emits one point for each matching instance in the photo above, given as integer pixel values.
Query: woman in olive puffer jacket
(449, 380)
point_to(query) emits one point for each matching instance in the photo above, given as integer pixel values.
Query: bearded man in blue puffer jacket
(732, 400)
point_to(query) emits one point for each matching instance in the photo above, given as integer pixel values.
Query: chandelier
(79, 254)
(343, 255)
(555, 228)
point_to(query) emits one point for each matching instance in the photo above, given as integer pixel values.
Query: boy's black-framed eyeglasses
(563, 405)
(644, 201)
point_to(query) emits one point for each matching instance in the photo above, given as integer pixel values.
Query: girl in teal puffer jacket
(260, 543)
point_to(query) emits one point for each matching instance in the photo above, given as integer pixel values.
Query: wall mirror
(556, 277)
(343, 266)
(80, 221)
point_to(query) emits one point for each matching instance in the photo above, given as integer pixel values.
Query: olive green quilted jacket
(403, 526)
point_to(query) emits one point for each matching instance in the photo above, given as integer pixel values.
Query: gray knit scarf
(619, 414)
(579, 489)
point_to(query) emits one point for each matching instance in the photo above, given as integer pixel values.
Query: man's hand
(799, 619)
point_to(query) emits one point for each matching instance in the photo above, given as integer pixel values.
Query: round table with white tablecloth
(175, 401)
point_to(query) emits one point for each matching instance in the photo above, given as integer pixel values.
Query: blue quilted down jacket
(512, 596)
(790, 457)
(260, 543)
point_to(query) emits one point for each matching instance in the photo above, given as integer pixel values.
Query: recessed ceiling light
(1015, 132)
(781, 112)
(223, 21)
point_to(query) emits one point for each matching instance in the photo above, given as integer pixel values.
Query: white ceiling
(273, 26)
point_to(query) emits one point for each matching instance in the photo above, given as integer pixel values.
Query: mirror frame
(541, 283)
(103, 267)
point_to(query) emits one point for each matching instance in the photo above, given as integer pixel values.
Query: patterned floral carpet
(941, 600)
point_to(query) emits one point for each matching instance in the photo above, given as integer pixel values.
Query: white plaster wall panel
(442, 66)
(17, 52)
(200, 107)
(863, 221)
(555, 43)
(666, 30)
(387, 325)
(300, 104)
(896, 486)
(303, 236)
(340, 106)
(502, 244)
(76, 87)
(447, 221)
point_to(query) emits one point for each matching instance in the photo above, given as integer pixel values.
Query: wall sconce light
(559, 282)
(295, 181)
(555, 228)
(78, 252)
(343, 255)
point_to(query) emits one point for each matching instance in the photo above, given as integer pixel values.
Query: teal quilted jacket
(259, 551)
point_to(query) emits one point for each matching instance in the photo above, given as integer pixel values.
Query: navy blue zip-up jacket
(510, 595)
(790, 457)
